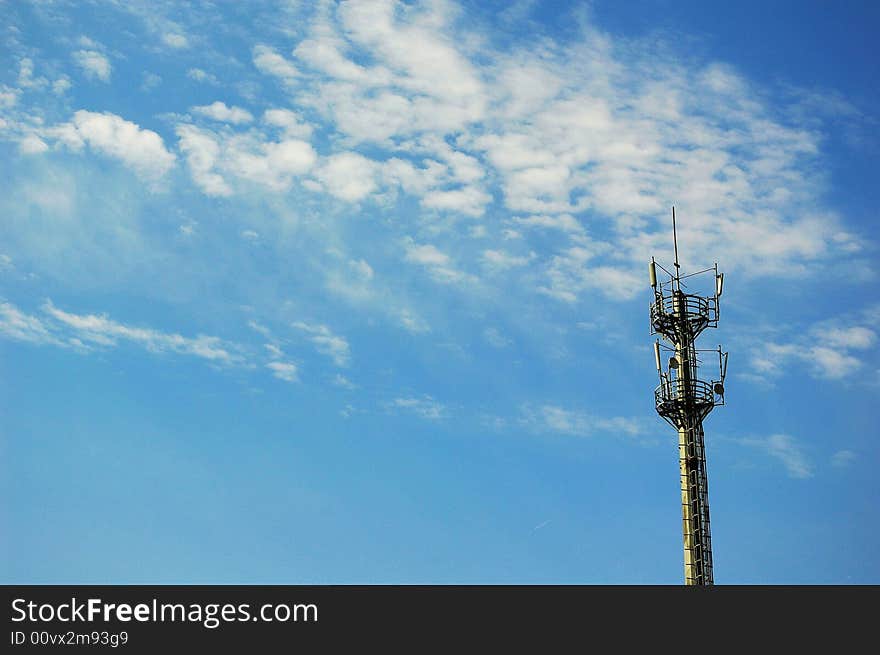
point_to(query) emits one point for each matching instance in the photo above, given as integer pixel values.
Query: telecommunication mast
(683, 399)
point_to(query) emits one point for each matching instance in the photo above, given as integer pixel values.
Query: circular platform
(674, 399)
(668, 312)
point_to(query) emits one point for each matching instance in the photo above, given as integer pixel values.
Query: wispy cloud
(561, 420)
(413, 323)
(784, 448)
(95, 332)
(344, 382)
(200, 75)
(100, 330)
(832, 350)
(270, 62)
(843, 458)
(286, 371)
(175, 40)
(500, 260)
(437, 263)
(16, 324)
(94, 64)
(425, 407)
(326, 342)
(495, 338)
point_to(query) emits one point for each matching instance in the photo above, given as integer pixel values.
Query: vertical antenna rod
(675, 242)
(684, 400)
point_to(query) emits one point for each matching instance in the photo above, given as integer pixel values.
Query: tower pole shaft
(695, 507)
(692, 464)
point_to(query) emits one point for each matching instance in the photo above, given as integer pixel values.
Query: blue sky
(357, 292)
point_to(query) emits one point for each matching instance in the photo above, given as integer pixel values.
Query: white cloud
(17, 325)
(437, 263)
(103, 331)
(469, 201)
(32, 145)
(220, 112)
(556, 419)
(425, 61)
(573, 272)
(347, 175)
(344, 382)
(140, 149)
(26, 79)
(94, 64)
(499, 260)
(856, 337)
(787, 450)
(327, 343)
(829, 349)
(843, 458)
(563, 222)
(175, 40)
(425, 407)
(270, 62)
(200, 75)
(150, 81)
(576, 137)
(831, 363)
(287, 158)
(413, 323)
(216, 158)
(261, 329)
(286, 371)
(61, 85)
(426, 255)
(202, 153)
(89, 332)
(568, 137)
(8, 96)
(85, 332)
(495, 339)
(323, 52)
(361, 269)
(290, 121)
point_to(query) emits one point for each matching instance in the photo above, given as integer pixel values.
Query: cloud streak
(831, 350)
(424, 407)
(786, 450)
(100, 330)
(560, 420)
(94, 64)
(333, 346)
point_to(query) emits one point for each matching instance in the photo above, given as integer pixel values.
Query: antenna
(675, 242)
(683, 400)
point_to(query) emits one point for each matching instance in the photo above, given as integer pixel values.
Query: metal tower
(684, 400)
